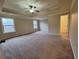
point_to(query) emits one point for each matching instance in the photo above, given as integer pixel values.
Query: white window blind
(8, 25)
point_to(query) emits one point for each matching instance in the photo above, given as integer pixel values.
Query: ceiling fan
(32, 9)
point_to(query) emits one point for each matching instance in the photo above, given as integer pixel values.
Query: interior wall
(74, 29)
(23, 26)
(54, 25)
(44, 25)
(1, 4)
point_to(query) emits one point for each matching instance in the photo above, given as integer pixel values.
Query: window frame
(35, 24)
(2, 26)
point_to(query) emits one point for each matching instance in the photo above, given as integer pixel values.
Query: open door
(64, 25)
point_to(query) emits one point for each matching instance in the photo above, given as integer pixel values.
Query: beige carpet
(38, 45)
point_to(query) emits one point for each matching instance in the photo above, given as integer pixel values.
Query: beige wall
(54, 25)
(44, 25)
(23, 26)
(1, 4)
(74, 29)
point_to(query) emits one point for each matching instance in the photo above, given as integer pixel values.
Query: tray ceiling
(46, 7)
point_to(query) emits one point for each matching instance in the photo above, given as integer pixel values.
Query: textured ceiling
(46, 7)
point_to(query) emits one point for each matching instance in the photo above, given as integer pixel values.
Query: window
(8, 25)
(35, 24)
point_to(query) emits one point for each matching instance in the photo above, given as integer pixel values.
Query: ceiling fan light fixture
(31, 10)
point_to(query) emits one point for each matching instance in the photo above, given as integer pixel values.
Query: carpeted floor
(38, 45)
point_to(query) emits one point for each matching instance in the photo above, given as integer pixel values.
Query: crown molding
(56, 12)
(4, 14)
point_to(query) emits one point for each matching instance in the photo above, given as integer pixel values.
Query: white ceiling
(46, 7)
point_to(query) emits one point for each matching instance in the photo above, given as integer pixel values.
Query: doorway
(64, 25)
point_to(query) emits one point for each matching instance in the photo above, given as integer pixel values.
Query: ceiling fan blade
(37, 10)
(30, 6)
(34, 7)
